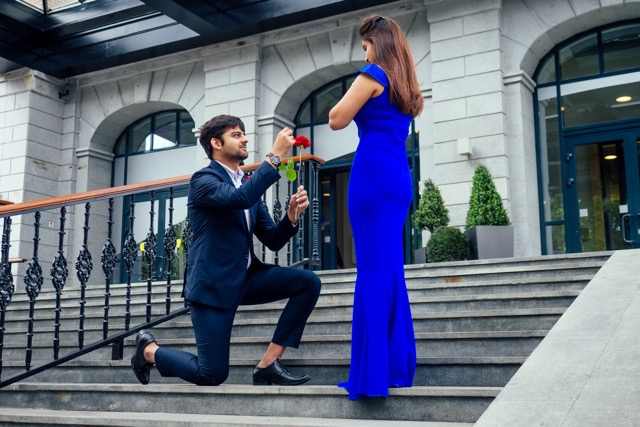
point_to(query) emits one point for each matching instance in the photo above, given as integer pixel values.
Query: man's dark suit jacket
(218, 254)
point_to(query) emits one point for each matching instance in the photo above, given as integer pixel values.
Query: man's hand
(283, 143)
(298, 203)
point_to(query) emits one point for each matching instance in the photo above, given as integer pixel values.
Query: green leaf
(291, 164)
(291, 175)
(282, 167)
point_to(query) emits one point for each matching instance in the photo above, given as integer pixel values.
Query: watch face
(275, 159)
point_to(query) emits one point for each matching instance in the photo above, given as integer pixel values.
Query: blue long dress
(383, 348)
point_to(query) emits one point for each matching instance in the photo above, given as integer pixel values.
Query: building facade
(517, 85)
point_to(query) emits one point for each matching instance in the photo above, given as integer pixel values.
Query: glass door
(602, 186)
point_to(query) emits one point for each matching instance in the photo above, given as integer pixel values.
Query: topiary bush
(485, 205)
(447, 244)
(431, 212)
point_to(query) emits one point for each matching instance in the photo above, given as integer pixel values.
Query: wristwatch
(275, 159)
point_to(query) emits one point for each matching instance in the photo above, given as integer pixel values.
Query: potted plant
(488, 227)
(430, 214)
(447, 244)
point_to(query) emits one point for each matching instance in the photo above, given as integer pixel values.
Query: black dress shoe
(277, 373)
(140, 366)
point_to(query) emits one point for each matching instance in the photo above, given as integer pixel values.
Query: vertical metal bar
(315, 217)
(169, 250)
(277, 214)
(108, 261)
(33, 280)
(59, 273)
(6, 280)
(84, 265)
(187, 235)
(286, 209)
(130, 253)
(301, 218)
(264, 248)
(150, 250)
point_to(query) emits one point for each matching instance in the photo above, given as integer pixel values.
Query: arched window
(159, 131)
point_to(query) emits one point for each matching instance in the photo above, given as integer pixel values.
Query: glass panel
(165, 131)
(186, 130)
(121, 145)
(53, 5)
(555, 239)
(551, 167)
(580, 58)
(325, 101)
(304, 118)
(621, 48)
(547, 73)
(605, 104)
(602, 195)
(140, 140)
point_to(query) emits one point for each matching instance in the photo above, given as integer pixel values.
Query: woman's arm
(362, 89)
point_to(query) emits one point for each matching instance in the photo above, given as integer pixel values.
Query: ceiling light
(609, 152)
(625, 98)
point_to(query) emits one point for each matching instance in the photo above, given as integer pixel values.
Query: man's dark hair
(214, 128)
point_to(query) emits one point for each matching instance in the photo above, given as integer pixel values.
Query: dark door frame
(628, 133)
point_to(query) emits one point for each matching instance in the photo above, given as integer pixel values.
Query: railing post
(286, 209)
(315, 216)
(170, 239)
(6, 280)
(84, 265)
(130, 253)
(277, 215)
(33, 283)
(264, 247)
(150, 250)
(59, 273)
(108, 261)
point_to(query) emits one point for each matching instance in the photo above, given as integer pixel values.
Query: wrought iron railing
(86, 224)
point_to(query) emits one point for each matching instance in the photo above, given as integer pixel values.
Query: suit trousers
(212, 326)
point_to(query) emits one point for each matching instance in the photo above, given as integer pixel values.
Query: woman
(383, 100)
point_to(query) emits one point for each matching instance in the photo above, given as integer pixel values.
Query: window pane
(165, 131)
(547, 72)
(602, 105)
(580, 58)
(121, 145)
(621, 48)
(326, 100)
(551, 162)
(186, 130)
(555, 240)
(304, 118)
(140, 137)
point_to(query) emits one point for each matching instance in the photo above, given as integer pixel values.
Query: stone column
(468, 99)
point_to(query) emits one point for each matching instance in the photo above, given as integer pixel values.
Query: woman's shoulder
(376, 72)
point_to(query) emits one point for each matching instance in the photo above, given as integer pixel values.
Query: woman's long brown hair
(391, 52)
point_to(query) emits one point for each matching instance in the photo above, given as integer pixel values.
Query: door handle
(570, 182)
(625, 221)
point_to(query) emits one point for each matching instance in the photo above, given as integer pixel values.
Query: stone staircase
(475, 322)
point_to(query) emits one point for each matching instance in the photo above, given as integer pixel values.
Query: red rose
(302, 141)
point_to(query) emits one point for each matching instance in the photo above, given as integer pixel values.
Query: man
(225, 211)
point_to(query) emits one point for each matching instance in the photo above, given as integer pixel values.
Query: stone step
(417, 287)
(466, 321)
(15, 416)
(449, 371)
(450, 404)
(431, 344)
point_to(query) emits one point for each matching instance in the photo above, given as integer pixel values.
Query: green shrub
(447, 244)
(485, 205)
(431, 212)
